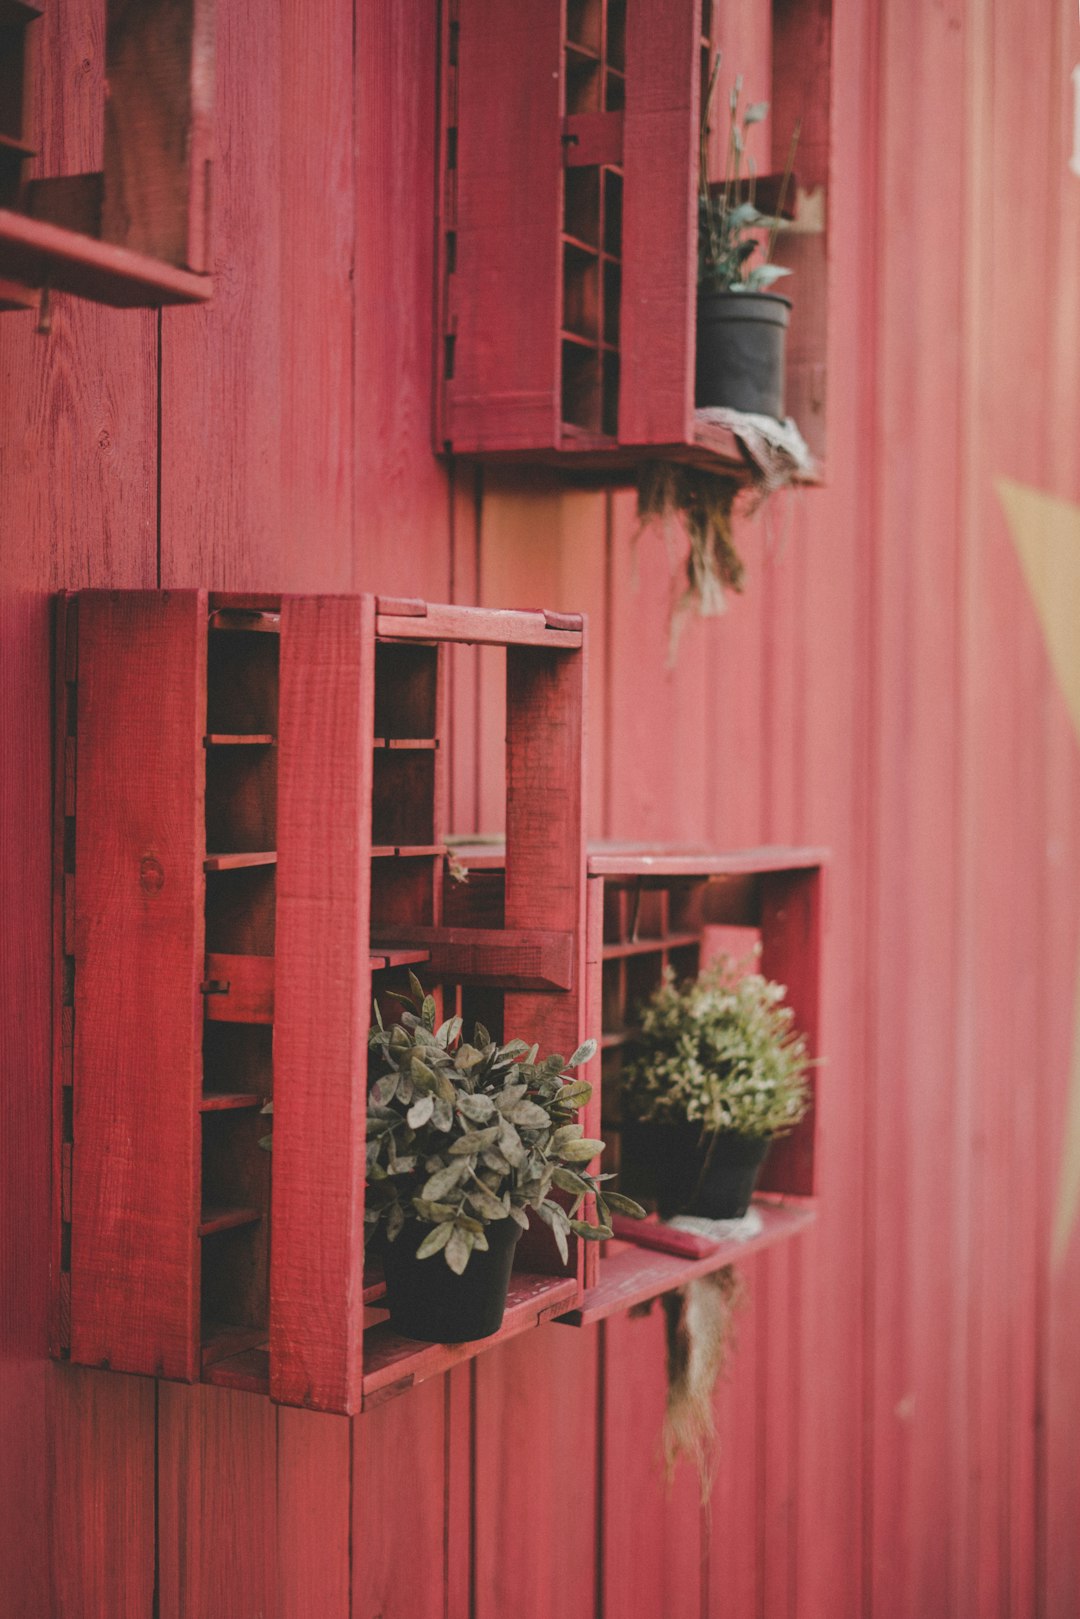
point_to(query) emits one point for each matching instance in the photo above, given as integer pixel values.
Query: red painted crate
(650, 908)
(249, 815)
(568, 227)
(136, 232)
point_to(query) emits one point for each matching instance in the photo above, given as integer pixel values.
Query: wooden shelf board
(249, 1370)
(406, 851)
(236, 862)
(251, 739)
(410, 744)
(249, 620)
(35, 253)
(631, 1274)
(223, 1101)
(617, 1037)
(393, 1364)
(380, 960)
(648, 947)
(17, 13)
(212, 1221)
(8, 143)
(403, 619)
(219, 1341)
(374, 1284)
(649, 860)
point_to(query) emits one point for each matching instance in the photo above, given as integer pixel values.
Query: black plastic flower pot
(740, 351)
(428, 1301)
(714, 1178)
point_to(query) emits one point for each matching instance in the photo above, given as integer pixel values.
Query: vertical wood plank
(400, 1507)
(652, 1554)
(535, 1513)
(314, 1495)
(218, 1518)
(101, 1494)
(505, 298)
(139, 848)
(660, 143)
(322, 995)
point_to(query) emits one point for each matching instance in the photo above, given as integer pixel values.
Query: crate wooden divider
(249, 817)
(568, 321)
(652, 907)
(135, 233)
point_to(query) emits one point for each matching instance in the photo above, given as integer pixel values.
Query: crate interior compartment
(241, 798)
(240, 908)
(133, 233)
(243, 670)
(406, 690)
(587, 107)
(238, 1064)
(403, 797)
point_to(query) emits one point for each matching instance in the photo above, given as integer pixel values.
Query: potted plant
(717, 1073)
(741, 324)
(463, 1139)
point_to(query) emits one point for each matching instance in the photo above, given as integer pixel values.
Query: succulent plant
(461, 1134)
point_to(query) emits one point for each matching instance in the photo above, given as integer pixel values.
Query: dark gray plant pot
(714, 1179)
(428, 1301)
(740, 351)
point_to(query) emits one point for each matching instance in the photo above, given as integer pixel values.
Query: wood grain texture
(322, 997)
(217, 1504)
(652, 1557)
(101, 1461)
(399, 1512)
(138, 956)
(504, 300)
(660, 144)
(314, 1494)
(535, 1529)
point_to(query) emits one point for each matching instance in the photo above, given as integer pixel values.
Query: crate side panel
(503, 201)
(791, 954)
(659, 309)
(138, 961)
(321, 999)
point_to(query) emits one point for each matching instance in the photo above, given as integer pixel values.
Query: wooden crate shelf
(134, 234)
(632, 1273)
(649, 907)
(238, 755)
(568, 333)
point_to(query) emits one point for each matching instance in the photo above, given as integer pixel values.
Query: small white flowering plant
(719, 1051)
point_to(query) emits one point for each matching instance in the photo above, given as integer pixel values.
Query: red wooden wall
(901, 1434)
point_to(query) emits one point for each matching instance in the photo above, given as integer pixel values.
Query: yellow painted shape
(1046, 533)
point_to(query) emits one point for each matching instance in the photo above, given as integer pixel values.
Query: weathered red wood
(791, 955)
(395, 1569)
(504, 388)
(534, 1528)
(321, 999)
(514, 958)
(637, 1269)
(158, 128)
(652, 1557)
(393, 1364)
(314, 1506)
(239, 989)
(99, 1446)
(34, 252)
(477, 626)
(138, 953)
(659, 302)
(217, 1503)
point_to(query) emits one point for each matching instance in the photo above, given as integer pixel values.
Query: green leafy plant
(464, 1133)
(728, 219)
(719, 1051)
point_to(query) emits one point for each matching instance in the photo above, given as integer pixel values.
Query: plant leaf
(435, 1239)
(458, 1249)
(420, 1112)
(477, 1108)
(584, 1053)
(579, 1152)
(527, 1115)
(624, 1205)
(567, 1181)
(417, 990)
(443, 1181)
(591, 1233)
(474, 1141)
